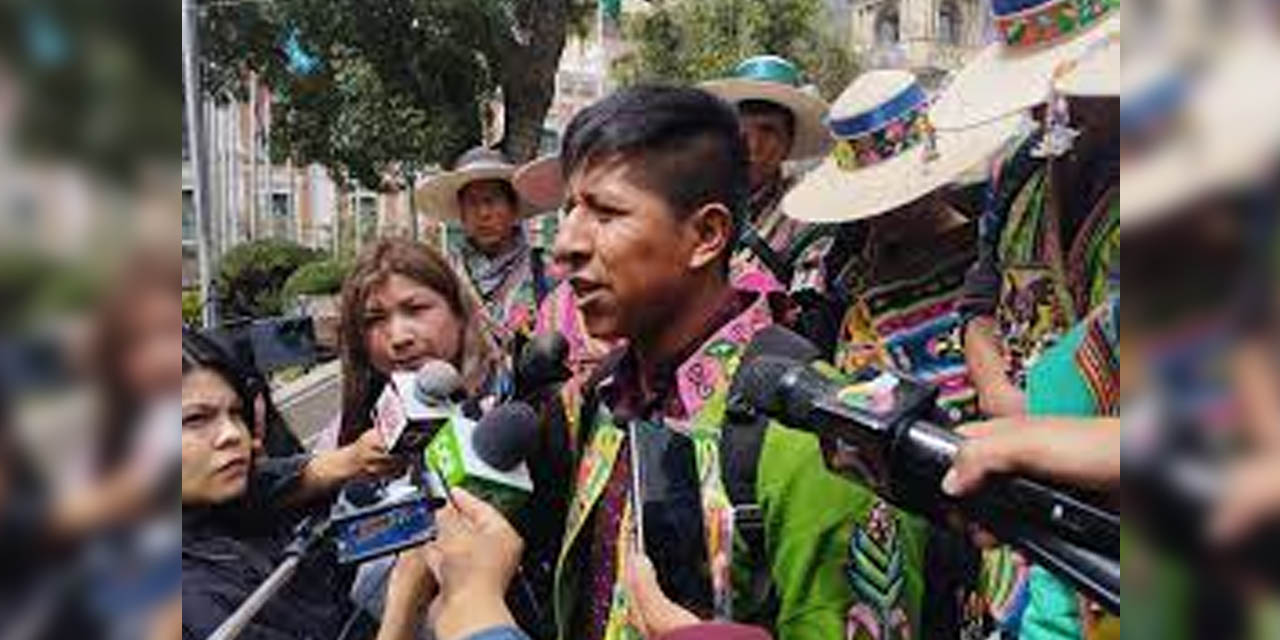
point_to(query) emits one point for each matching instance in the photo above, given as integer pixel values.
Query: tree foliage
(696, 40)
(378, 89)
(95, 83)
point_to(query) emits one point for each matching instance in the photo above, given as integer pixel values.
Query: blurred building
(929, 37)
(251, 198)
(583, 74)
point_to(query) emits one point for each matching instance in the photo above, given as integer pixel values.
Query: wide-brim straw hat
(1040, 41)
(540, 183)
(775, 79)
(887, 154)
(437, 196)
(1095, 75)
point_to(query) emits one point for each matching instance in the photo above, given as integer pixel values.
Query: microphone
(373, 519)
(875, 432)
(413, 404)
(541, 364)
(487, 458)
(370, 520)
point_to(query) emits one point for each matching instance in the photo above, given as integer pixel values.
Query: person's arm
(997, 395)
(983, 353)
(327, 471)
(1250, 499)
(1081, 452)
(410, 588)
(473, 558)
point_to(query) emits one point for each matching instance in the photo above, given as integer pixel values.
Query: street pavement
(311, 401)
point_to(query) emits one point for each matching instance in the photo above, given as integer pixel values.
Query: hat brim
(812, 138)
(830, 194)
(540, 183)
(1097, 74)
(437, 196)
(1000, 81)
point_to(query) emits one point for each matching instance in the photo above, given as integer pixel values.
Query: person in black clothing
(235, 528)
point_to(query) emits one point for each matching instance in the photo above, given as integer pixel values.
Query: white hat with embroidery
(1039, 42)
(887, 154)
(775, 79)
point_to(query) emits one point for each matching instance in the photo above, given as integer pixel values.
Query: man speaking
(657, 184)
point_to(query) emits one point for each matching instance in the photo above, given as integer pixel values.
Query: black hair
(689, 142)
(202, 352)
(770, 108)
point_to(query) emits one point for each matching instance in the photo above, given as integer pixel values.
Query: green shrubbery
(322, 277)
(251, 277)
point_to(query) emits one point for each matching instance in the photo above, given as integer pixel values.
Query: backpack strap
(539, 269)
(741, 443)
(778, 265)
(807, 236)
(742, 439)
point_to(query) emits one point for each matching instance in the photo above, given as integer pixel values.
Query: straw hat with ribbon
(775, 79)
(887, 153)
(1038, 41)
(438, 196)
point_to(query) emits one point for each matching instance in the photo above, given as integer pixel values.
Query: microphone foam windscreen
(436, 380)
(505, 436)
(542, 360)
(362, 493)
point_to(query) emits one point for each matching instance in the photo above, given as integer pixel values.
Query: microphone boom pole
(309, 534)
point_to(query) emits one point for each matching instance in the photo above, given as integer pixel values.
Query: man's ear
(712, 228)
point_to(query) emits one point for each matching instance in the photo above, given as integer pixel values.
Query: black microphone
(506, 435)
(875, 432)
(541, 365)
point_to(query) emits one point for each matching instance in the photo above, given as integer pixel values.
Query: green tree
(696, 40)
(92, 82)
(377, 90)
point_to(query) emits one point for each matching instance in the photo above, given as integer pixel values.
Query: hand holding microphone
(460, 577)
(474, 557)
(1077, 452)
(369, 457)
